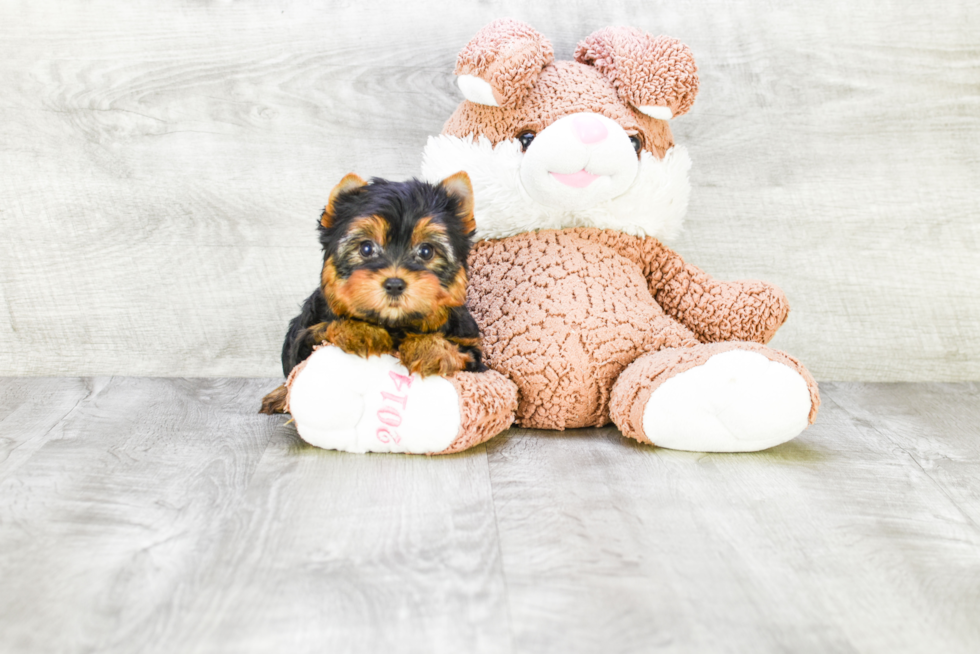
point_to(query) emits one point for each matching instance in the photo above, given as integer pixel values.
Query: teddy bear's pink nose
(589, 129)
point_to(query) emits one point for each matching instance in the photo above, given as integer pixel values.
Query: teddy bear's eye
(525, 139)
(637, 143)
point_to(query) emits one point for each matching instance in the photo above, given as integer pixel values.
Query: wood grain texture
(162, 167)
(168, 516)
(334, 552)
(111, 522)
(936, 425)
(838, 541)
(165, 516)
(31, 410)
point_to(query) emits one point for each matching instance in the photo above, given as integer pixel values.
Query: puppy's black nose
(394, 286)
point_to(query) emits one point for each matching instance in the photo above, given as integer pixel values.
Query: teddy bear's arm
(714, 310)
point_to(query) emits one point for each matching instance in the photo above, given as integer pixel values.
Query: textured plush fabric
(645, 70)
(508, 55)
(292, 375)
(563, 88)
(646, 374)
(714, 310)
(564, 312)
(487, 403)
(562, 316)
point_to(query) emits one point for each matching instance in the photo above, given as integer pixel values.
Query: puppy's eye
(366, 249)
(525, 139)
(637, 143)
(426, 252)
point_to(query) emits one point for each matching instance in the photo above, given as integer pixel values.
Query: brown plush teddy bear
(586, 316)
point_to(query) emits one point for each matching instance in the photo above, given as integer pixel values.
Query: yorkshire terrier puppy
(393, 279)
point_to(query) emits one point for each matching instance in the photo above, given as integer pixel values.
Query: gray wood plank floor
(165, 515)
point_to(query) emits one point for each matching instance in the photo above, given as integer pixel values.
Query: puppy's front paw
(431, 354)
(360, 338)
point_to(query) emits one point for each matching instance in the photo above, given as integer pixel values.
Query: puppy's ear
(502, 63)
(350, 182)
(458, 186)
(657, 75)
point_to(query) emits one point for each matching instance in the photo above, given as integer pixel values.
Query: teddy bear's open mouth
(581, 179)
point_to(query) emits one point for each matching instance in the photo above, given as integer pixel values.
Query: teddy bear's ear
(458, 186)
(657, 75)
(502, 63)
(348, 183)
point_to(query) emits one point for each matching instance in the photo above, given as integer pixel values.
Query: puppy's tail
(274, 402)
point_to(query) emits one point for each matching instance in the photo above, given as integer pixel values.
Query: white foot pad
(736, 401)
(344, 402)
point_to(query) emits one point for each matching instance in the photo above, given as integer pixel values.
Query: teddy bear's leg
(341, 401)
(716, 397)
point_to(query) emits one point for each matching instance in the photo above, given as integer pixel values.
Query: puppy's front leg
(431, 354)
(355, 337)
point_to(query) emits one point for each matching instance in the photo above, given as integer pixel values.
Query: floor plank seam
(500, 548)
(43, 438)
(935, 482)
(265, 451)
(939, 486)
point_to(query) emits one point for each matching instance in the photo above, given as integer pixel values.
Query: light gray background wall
(162, 166)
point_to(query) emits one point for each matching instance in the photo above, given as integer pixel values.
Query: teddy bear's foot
(340, 401)
(718, 397)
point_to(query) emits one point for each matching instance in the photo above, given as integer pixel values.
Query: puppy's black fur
(410, 237)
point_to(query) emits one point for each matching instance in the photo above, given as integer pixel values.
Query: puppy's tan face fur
(353, 278)
(424, 305)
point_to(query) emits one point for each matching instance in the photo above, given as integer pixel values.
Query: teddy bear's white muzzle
(579, 161)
